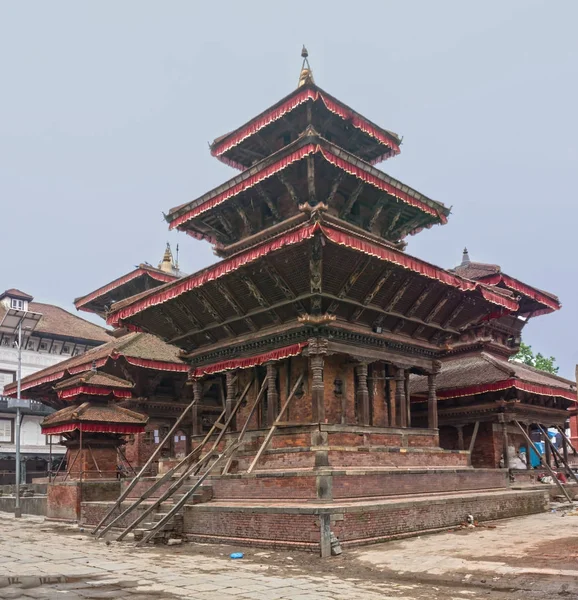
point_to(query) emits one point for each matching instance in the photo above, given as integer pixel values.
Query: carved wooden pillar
(272, 394)
(231, 381)
(316, 273)
(196, 412)
(362, 394)
(548, 451)
(460, 429)
(505, 442)
(432, 402)
(407, 399)
(400, 399)
(317, 351)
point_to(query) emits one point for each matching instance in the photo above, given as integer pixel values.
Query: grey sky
(106, 109)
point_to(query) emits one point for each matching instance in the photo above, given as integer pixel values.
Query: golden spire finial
(167, 263)
(306, 75)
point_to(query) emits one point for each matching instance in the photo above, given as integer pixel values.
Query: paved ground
(39, 559)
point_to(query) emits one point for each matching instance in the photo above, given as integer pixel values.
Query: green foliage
(538, 361)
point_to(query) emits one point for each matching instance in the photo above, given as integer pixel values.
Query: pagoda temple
(484, 397)
(316, 324)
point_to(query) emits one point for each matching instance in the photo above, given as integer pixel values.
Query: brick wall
(63, 501)
(289, 527)
(362, 527)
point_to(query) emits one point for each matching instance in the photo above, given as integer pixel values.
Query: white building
(58, 336)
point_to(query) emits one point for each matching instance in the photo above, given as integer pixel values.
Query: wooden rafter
(282, 285)
(419, 300)
(261, 300)
(437, 307)
(228, 296)
(455, 313)
(169, 320)
(390, 304)
(208, 306)
(360, 267)
(372, 293)
(241, 212)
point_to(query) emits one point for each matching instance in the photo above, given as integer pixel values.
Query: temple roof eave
(309, 91)
(311, 143)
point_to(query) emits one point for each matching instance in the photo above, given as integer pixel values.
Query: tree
(538, 361)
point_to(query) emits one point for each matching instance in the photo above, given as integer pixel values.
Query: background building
(59, 335)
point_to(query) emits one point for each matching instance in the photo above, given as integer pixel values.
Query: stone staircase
(173, 529)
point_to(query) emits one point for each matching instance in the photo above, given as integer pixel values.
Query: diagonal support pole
(275, 424)
(133, 483)
(547, 466)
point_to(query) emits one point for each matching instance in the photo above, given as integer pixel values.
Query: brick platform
(282, 525)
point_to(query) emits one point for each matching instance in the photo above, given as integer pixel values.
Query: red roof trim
(522, 288)
(163, 277)
(93, 390)
(93, 428)
(295, 156)
(498, 386)
(289, 105)
(156, 365)
(294, 237)
(246, 363)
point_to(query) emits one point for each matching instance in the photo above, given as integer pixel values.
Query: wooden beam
(267, 199)
(454, 314)
(419, 300)
(261, 300)
(289, 187)
(282, 285)
(392, 313)
(392, 223)
(311, 179)
(228, 296)
(334, 187)
(473, 438)
(390, 304)
(241, 212)
(208, 306)
(351, 200)
(379, 206)
(168, 319)
(386, 274)
(437, 307)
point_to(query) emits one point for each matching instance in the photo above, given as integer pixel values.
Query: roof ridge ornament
(306, 75)
(465, 258)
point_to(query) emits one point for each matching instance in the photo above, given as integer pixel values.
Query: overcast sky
(106, 109)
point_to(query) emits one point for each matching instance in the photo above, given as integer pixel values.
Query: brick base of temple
(300, 525)
(362, 484)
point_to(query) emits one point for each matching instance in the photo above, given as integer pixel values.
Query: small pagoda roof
(310, 144)
(384, 143)
(94, 383)
(481, 373)
(140, 350)
(534, 301)
(144, 276)
(94, 418)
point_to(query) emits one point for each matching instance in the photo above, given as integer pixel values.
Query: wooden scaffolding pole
(133, 483)
(548, 467)
(275, 424)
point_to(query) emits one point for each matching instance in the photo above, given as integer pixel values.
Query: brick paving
(39, 559)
